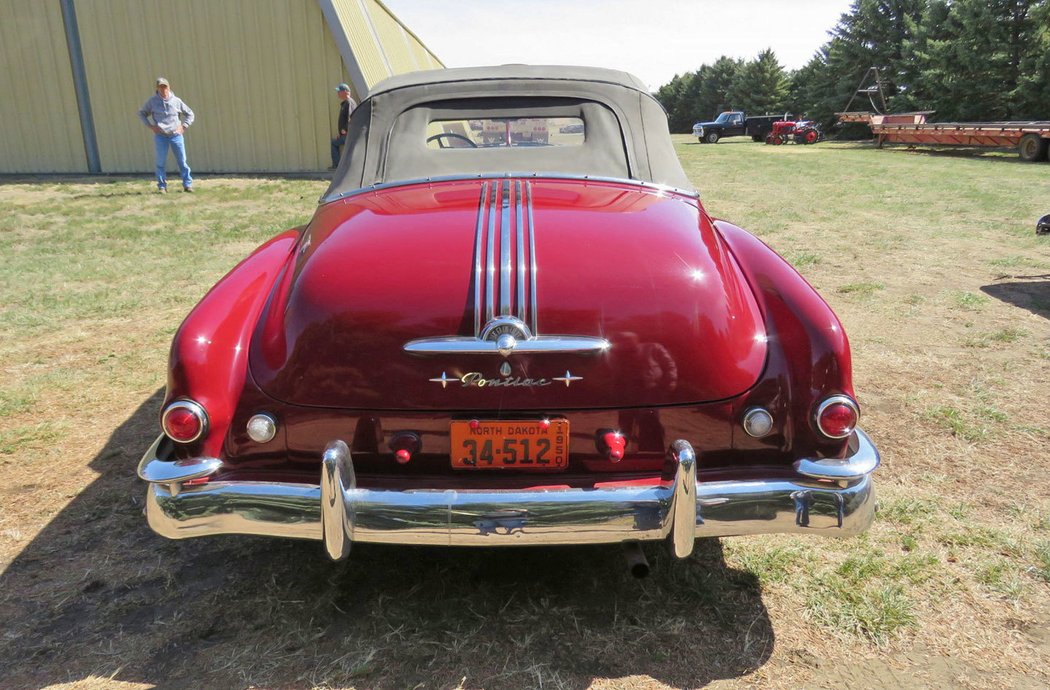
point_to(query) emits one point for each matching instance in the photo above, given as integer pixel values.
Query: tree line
(968, 60)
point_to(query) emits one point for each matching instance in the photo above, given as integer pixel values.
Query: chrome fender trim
(863, 459)
(173, 472)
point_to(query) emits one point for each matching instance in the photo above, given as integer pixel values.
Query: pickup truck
(736, 123)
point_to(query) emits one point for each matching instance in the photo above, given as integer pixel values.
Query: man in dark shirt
(346, 106)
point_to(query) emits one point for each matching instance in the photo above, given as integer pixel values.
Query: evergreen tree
(874, 33)
(1033, 101)
(974, 58)
(671, 97)
(761, 86)
(969, 60)
(812, 90)
(715, 82)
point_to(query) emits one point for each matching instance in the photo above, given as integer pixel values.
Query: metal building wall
(259, 75)
(39, 123)
(374, 43)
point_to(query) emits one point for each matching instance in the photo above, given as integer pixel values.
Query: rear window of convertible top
(502, 132)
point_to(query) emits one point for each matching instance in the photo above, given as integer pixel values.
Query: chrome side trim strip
(339, 512)
(505, 265)
(863, 459)
(652, 186)
(472, 346)
(532, 259)
(478, 231)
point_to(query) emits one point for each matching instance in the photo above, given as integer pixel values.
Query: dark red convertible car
(510, 322)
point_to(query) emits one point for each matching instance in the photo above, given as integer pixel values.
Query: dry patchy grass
(930, 261)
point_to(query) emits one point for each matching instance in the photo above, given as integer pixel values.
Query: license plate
(522, 445)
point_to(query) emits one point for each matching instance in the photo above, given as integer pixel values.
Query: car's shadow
(97, 595)
(1032, 294)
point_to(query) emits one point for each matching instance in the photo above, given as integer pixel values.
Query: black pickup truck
(736, 123)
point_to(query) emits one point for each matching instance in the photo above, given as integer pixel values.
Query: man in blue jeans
(168, 117)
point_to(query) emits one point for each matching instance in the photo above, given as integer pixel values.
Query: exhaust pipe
(637, 563)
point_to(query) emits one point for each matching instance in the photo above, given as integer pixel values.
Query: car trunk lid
(614, 294)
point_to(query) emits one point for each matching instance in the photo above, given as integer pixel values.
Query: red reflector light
(184, 421)
(837, 417)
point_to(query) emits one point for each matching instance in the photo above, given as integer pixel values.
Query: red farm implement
(800, 132)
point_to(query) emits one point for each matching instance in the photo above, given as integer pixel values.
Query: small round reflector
(184, 421)
(262, 428)
(758, 422)
(837, 416)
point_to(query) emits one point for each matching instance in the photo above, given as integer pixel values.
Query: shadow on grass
(97, 595)
(1033, 295)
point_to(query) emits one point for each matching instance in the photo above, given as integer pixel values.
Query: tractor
(801, 132)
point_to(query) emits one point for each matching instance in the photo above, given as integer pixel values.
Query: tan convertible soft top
(626, 128)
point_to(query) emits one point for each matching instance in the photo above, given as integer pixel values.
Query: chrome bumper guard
(339, 513)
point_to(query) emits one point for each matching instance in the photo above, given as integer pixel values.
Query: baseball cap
(161, 81)
(343, 87)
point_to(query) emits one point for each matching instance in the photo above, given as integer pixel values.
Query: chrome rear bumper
(337, 512)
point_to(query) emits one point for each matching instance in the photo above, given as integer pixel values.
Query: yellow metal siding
(39, 121)
(358, 28)
(258, 74)
(418, 54)
(392, 37)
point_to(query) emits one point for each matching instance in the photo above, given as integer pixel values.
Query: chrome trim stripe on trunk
(490, 286)
(495, 202)
(505, 265)
(478, 231)
(521, 250)
(532, 259)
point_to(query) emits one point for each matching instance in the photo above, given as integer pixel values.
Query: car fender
(800, 324)
(209, 354)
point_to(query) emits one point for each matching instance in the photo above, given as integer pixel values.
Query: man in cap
(168, 117)
(346, 106)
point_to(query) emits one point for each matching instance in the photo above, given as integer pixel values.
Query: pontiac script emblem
(475, 379)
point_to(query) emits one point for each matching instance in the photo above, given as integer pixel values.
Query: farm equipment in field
(1031, 139)
(800, 132)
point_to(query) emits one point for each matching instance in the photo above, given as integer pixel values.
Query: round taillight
(184, 421)
(758, 422)
(837, 416)
(262, 428)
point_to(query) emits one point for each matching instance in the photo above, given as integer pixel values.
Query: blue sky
(653, 39)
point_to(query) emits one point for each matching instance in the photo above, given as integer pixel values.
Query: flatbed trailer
(1031, 139)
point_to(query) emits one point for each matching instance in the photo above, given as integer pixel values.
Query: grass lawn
(930, 260)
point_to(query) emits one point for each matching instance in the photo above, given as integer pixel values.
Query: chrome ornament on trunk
(503, 283)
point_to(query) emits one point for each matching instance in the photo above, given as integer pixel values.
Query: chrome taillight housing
(184, 421)
(837, 416)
